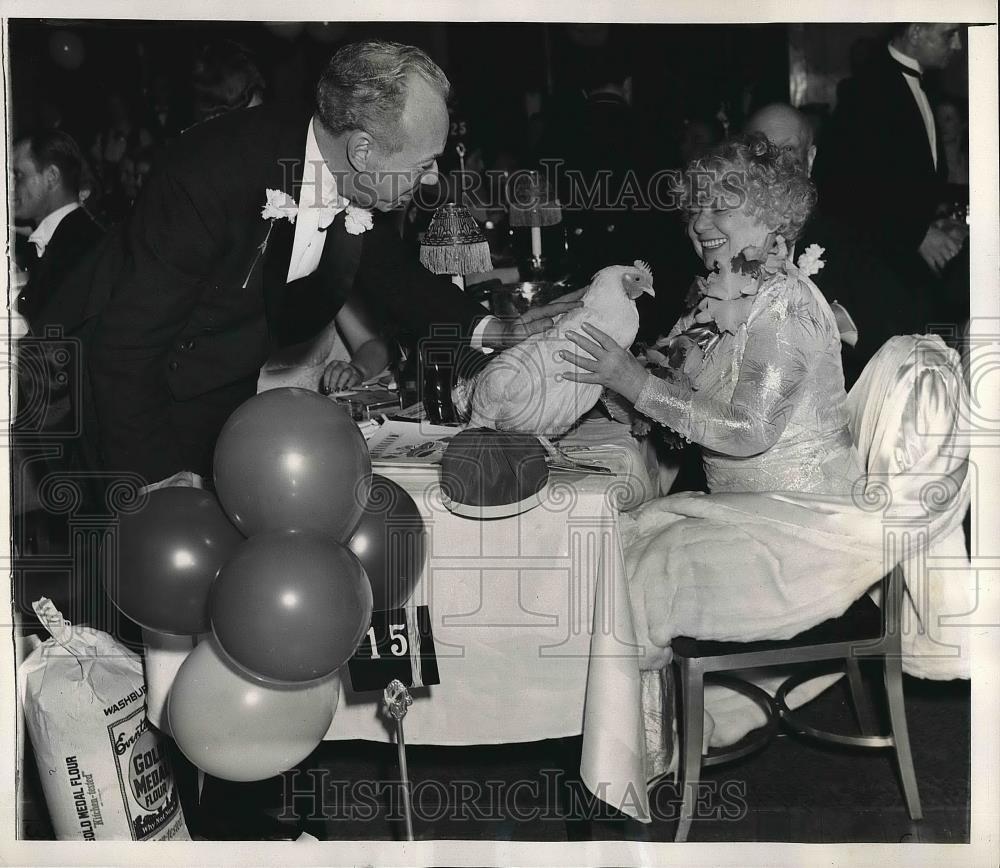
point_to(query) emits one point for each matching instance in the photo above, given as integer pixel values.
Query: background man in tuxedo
(196, 287)
(854, 274)
(48, 169)
(880, 166)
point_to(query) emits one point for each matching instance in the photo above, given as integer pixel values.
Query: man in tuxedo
(198, 285)
(880, 166)
(853, 274)
(48, 169)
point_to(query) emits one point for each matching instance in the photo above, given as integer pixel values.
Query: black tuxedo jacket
(858, 278)
(188, 299)
(874, 167)
(75, 237)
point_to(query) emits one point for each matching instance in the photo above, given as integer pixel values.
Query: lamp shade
(454, 243)
(531, 203)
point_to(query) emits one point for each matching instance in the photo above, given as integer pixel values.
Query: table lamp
(531, 204)
(454, 244)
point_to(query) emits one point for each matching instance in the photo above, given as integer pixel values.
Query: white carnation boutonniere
(357, 220)
(809, 262)
(279, 206)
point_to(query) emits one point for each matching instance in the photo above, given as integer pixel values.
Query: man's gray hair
(365, 84)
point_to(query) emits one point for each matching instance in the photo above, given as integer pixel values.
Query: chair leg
(692, 727)
(862, 708)
(900, 734)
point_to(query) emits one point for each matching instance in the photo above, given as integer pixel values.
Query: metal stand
(397, 700)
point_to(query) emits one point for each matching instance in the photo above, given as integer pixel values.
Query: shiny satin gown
(768, 405)
(768, 408)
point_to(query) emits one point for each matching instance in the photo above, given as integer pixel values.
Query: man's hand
(505, 332)
(338, 376)
(611, 366)
(938, 248)
(181, 479)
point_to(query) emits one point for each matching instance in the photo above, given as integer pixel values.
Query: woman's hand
(611, 366)
(340, 375)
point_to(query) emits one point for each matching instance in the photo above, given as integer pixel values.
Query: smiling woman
(743, 190)
(753, 370)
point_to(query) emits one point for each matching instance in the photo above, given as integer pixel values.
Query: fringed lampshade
(531, 202)
(454, 244)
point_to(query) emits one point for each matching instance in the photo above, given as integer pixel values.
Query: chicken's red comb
(643, 266)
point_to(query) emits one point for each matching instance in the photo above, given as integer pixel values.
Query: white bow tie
(333, 203)
(328, 213)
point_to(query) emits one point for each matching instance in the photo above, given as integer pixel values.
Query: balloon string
(404, 779)
(397, 699)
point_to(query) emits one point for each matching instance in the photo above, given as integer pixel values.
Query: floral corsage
(720, 304)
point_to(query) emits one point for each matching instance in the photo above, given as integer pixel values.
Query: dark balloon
(390, 542)
(292, 459)
(236, 728)
(291, 606)
(169, 552)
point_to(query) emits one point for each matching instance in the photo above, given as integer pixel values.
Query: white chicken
(522, 389)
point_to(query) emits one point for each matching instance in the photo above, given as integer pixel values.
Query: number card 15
(398, 644)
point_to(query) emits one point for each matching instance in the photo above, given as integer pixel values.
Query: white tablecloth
(533, 632)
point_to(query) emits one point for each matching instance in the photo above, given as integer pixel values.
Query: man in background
(854, 275)
(881, 168)
(50, 180)
(48, 175)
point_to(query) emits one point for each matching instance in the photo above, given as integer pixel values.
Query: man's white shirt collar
(321, 191)
(904, 59)
(319, 202)
(47, 227)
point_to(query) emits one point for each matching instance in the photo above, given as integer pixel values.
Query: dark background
(678, 70)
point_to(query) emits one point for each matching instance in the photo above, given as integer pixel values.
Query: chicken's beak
(634, 291)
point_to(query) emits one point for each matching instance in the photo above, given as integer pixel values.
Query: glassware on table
(437, 381)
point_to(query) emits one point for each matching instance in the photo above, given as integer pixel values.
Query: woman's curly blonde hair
(748, 171)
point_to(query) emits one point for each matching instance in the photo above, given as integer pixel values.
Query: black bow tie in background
(906, 70)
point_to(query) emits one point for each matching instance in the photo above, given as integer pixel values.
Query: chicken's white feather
(523, 388)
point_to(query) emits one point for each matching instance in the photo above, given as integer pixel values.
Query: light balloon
(238, 729)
